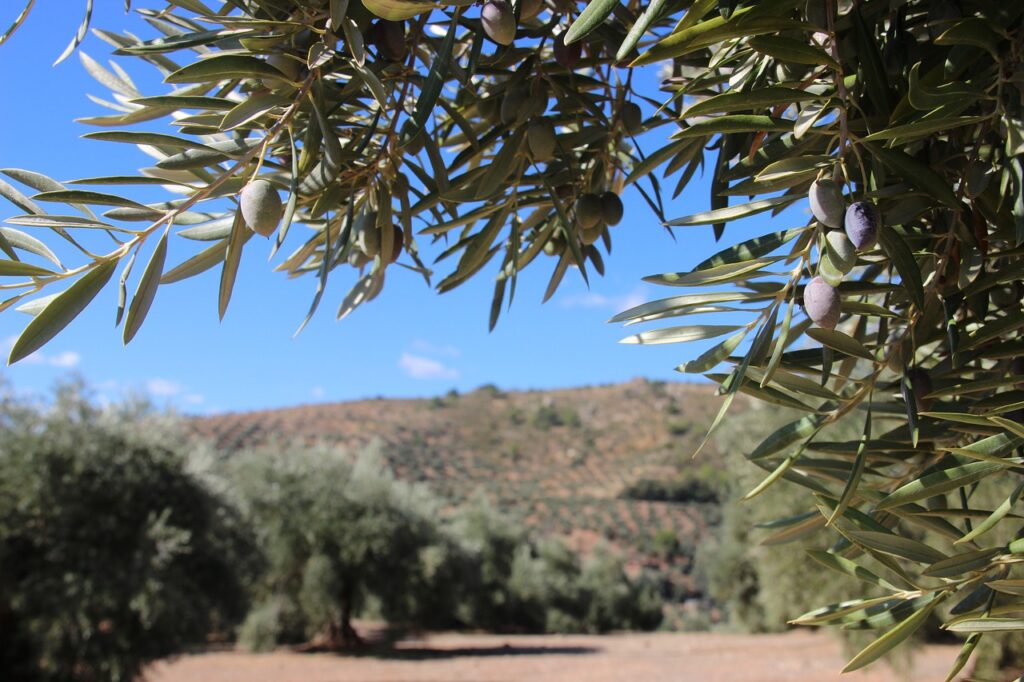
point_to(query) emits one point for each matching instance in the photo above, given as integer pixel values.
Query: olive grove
(507, 132)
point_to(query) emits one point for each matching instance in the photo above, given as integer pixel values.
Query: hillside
(561, 461)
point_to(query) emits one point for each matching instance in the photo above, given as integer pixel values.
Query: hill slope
(561, 461)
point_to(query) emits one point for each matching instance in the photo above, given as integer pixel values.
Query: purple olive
(499, 21)
(567, 56)
(389, 39)
(821, 301)
(862, 224)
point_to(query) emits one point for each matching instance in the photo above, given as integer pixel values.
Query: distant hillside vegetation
(608, 463)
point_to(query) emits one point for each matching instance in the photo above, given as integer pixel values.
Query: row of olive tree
(122, 542)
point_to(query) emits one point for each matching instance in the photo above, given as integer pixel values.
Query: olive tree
(507, 132)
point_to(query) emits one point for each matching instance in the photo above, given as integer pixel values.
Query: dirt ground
(799, 656)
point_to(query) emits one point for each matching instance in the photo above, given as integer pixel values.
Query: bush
(687, 487)
(112, 554)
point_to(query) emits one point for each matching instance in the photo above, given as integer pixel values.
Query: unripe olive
(358, 259)
(632, 117)
(591, 234)
(367, 234)
(398, 240)
(840, 251)
(286, 65)
(489, 108)
(921, 385)
(827, 205)
(611, 208)
(821, 301)
(389, 39)
(528, 9)
(862, 223)
(513, 105)
(542, 141)
(261, 207)
(567, 56)
(588, 210)
(499, 21)
(554, 246)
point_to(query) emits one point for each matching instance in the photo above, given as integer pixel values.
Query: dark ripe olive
(827, 205)
(567, 56)
(261, 207)
(862, 223)
(821, 301)
(528, 9)
(389, 39)
(499, 21)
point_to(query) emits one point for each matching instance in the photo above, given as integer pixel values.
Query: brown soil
(797, 656)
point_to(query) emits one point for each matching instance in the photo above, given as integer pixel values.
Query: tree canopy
(897, 304)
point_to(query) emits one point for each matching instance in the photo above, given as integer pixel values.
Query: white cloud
(419, 367)
(432, 349)
(595, 300)
(317, 392)
(68, 359)
(163, 388)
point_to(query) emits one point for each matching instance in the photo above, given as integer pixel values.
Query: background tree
(112, 553)
(900, 119)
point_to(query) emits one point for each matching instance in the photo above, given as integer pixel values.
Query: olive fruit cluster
(596, 211)
(854, 228)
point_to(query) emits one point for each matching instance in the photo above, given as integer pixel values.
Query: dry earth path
(660, 657)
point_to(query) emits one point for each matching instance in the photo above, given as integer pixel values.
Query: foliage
(917, 350)
(343, 538)
(112, 553)
(687, 487)
(337, 531)
(901, 118)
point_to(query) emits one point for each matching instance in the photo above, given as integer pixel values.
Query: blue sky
(410, 341)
